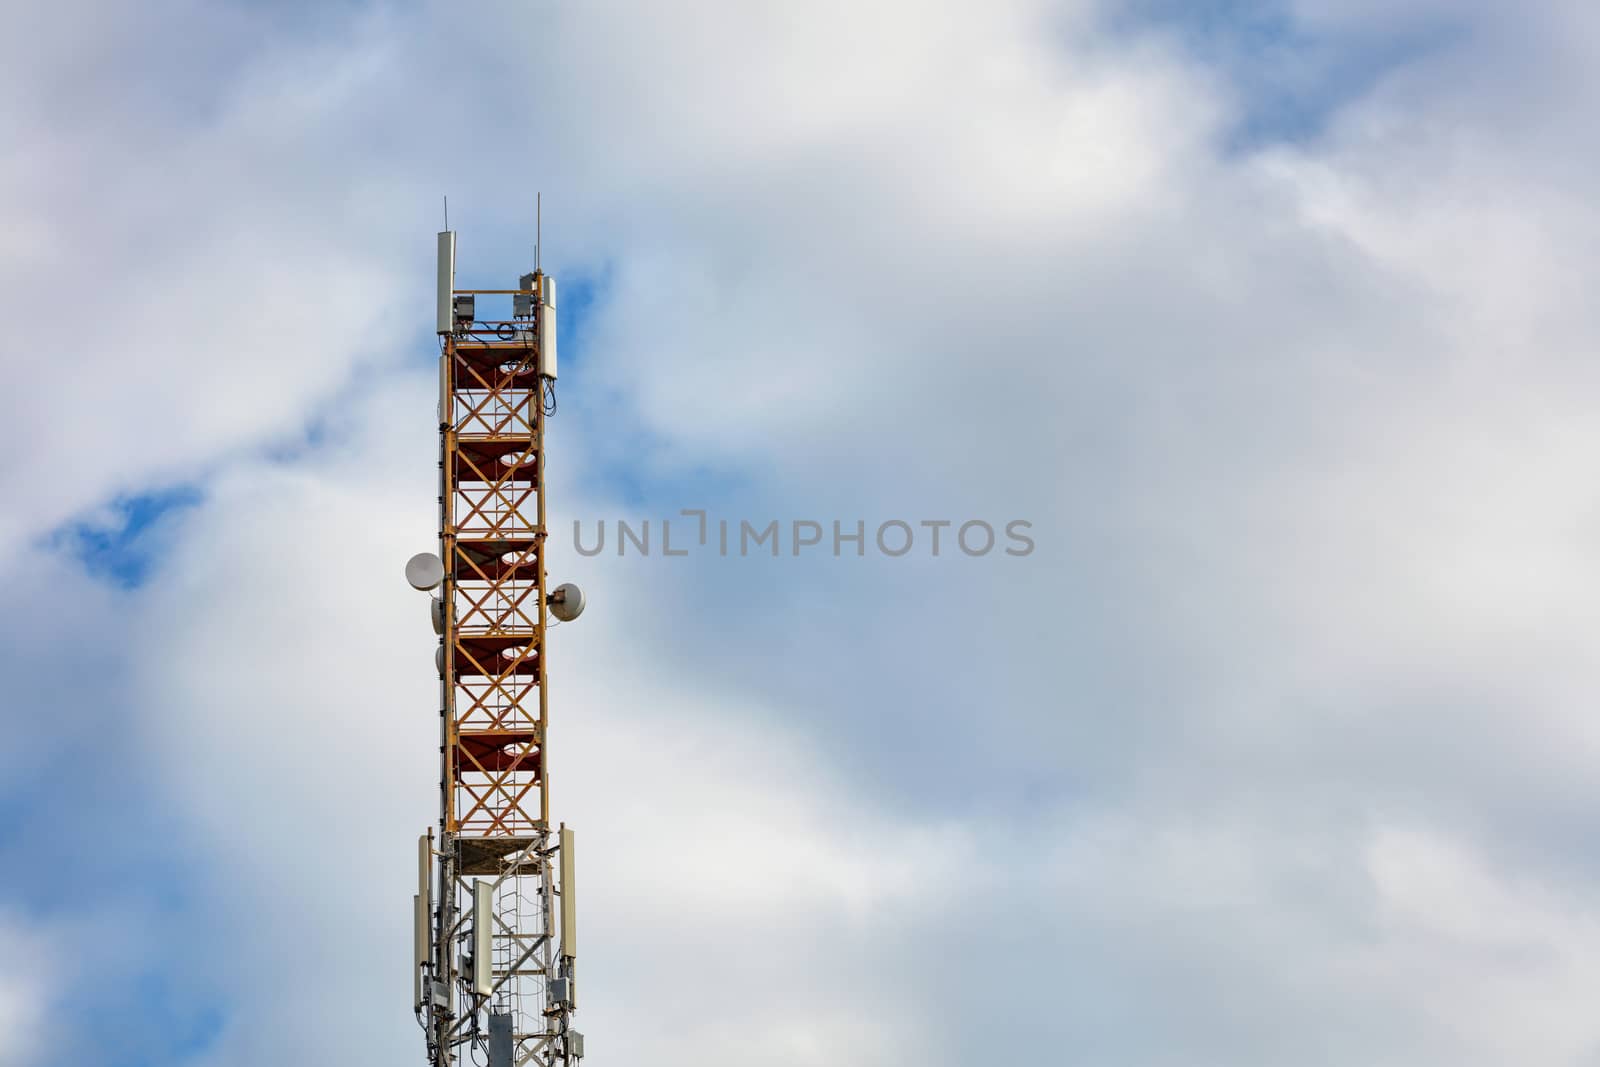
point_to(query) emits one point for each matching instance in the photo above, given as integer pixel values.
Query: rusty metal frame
(495, 760)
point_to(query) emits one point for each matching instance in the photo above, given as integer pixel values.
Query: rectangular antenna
(547, 328)
(425, 869)
(501, 1045)
(422, 910)
(446, 416)
(569, 899)
(482, 937)
(419, 936)
(447, 281)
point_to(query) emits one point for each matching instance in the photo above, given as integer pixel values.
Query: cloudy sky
(1272, 318)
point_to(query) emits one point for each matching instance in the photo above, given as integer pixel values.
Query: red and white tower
(496, 942)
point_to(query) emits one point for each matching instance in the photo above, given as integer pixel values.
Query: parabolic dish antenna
(566, 602)
(424, 571)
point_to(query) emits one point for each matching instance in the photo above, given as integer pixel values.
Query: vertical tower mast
(496, 941)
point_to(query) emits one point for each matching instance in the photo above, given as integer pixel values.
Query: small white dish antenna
(424, 571)
(566, 602)
(436, 609)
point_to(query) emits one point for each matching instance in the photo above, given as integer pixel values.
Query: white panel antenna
(447, 281)
(569, 898)
(547, 329)
(482, 937)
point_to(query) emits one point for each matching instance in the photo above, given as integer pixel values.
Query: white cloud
(22, 994)
(192, 269)
(1507, 961)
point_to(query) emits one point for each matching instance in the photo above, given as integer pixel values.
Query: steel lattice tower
(496, 944)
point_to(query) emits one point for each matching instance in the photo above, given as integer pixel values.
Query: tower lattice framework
(494, 911)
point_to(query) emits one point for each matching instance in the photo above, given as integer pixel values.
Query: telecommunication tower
(494, 913)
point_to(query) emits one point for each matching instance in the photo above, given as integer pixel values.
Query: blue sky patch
(118, 543)
(1290, 79)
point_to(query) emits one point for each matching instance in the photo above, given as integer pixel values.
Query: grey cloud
(1276, 750)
